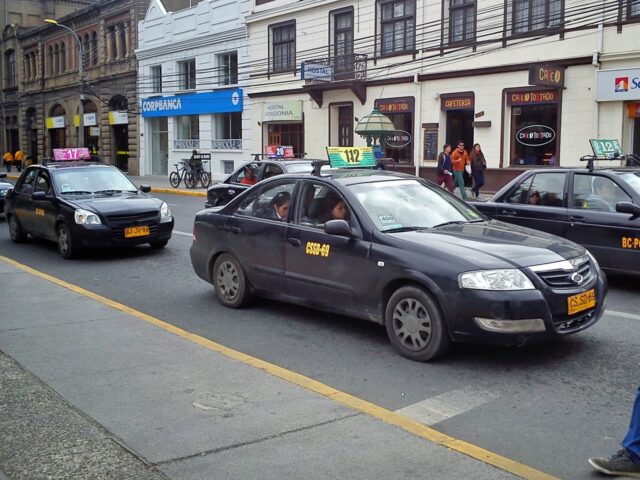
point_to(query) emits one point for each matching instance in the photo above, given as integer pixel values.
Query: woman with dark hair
(444, 169)
(280, 204)
(478, 164)
(336, 208)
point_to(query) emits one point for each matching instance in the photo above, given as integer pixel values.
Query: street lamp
(80, 75)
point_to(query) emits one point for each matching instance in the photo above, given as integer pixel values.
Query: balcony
(337, 72)
(226, 144)
(192, 144)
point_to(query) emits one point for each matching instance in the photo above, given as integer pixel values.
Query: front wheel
(205, 179)
(415, 325)
(190, 180)
(15, 230)
(66, 245)
(174, 179)
(157, 245)
(229, 281)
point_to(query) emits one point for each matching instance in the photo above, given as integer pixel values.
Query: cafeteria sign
(350, 157)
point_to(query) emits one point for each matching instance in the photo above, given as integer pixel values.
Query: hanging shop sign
(397, 139)
(219, 101)
(94, 131)
(389, 106)
(533, 97)
(118, 117)
(457, 101)
(351, 157)
(634, 110)
(55, 122)
(314, 71)
(618, 85)
(535, 135)
(550, 75)
(278, 151)
(89, 120)
(66, 154)
(290, 111)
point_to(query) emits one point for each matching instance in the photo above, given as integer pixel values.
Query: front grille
(136, 217)
(119, 222)
(563, 279)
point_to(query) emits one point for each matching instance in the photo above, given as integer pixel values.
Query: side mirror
(145, 188)
(39, 196)
(628, 207)
(338, 227)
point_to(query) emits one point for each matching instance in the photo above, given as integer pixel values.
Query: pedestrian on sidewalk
(460, 160)
(8, 160)
(18, 158)
(444, 168)
(625, 463)
(478, 164)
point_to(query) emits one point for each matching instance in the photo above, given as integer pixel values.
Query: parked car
(4, 188)
(597, 208)
(81, 205)
(399, 251)
(250, 174)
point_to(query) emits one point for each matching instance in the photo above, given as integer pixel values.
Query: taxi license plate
(131, 232)
(581, 301)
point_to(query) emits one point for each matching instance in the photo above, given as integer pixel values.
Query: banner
(55, 122)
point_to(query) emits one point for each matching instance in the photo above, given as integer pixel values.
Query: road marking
(447, 405)
(350, 401)
(184, 234)
(631, 316)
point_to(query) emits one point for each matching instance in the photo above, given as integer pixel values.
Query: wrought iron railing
(186, 144)
(226, 144)
(352, 66)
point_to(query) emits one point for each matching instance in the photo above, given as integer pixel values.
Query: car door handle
(508, 212)
(577, 218)
(294, 241)
(234, 230)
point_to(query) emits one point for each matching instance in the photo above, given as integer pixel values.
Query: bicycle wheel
(174, 179)
(189, 180)
(205, 179)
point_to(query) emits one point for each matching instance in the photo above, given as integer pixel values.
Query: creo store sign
(535, 135)
(618, 85)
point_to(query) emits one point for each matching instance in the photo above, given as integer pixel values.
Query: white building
(190, 87)
(517, 76)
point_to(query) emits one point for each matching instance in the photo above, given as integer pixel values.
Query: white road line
(631, 316)
(184, 234)
(447, 405)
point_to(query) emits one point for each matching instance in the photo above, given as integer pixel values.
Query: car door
(596, 225)
(255, 236)
(323, 269)
(44, 209)
(22, 203)
(539, 202)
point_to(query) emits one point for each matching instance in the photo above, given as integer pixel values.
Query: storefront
(56, 125)
(401, 113)
(91, 129)
(459, 108)
(283, 126)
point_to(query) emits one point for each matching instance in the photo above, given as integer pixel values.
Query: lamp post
(81, 79)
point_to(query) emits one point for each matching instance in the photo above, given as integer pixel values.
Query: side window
(248, 175)
(521, 193)
(246, 206)
(272, 170)
(271, 203)
(549, 188)
(25, 184)
(43, 184)
(320, 203)
(594, 192)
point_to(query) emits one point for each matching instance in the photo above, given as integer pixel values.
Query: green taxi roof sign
(351, 157)
(606, 148)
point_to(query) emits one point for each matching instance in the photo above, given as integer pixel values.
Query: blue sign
(219, 101)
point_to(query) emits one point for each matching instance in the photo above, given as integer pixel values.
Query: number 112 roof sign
(351, 157)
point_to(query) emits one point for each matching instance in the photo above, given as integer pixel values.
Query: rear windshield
(632, 179)
(299, 167)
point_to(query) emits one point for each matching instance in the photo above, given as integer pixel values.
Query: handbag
(467, 168)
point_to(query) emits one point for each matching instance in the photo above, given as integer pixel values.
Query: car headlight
(508, 279)
(85, 217)
(3, 193)
(593, 259)
(165, 212)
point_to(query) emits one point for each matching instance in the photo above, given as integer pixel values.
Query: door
(44, 210)
(345, 126)
(159, 146)
(322, 269)
(343, 46)
(596, 225)
(23, 209)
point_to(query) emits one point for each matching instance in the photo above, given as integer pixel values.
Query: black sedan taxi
(4, 188)
(399, 251)
(249, 174)
(597, 208)
(82, 205)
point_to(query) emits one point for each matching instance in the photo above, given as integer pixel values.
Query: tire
(415, 325)
(174, 179)
(15, 230)
(66, 245)
(189, 180)
(205, 180)
(229, 282)
(159, 244)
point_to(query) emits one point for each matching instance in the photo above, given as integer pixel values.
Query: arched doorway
(56, 124)
(119, 121)
(91, 128)
(31, 124)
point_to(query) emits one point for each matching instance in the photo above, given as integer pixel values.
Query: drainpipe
(596, 63)
(417, 128)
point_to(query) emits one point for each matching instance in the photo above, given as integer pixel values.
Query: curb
(178, 192)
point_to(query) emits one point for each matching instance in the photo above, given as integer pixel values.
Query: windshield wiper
(108, 192)
(77, 192)
(453, 222)
(402, 229)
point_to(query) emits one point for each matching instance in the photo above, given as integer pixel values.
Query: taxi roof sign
(351, 157)
(606, 148)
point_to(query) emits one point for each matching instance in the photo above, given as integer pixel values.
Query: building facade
(519, 78)
(193, 65)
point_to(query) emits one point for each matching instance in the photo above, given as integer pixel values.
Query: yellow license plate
(130, 232)
(581, 301)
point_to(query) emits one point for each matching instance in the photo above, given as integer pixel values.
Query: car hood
(494, 244)
(130, 204)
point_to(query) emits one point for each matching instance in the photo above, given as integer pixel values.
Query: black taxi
(401, 252)
(598, 208)
(84, 205)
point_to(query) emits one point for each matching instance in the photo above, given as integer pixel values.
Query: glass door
(159, 146)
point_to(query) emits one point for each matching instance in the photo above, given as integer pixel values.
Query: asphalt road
(549, 406)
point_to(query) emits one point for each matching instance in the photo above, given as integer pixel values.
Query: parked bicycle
(192, 172)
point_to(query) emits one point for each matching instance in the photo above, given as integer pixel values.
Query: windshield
(408, 204)
(108, 181)
(299, 167)
(632, 179)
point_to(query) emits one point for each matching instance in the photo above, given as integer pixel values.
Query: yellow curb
(176, 191)
(345, 399)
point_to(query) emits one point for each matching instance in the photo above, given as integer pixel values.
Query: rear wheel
(189, 180)
(205, 179)
(15, 230)
(415, 325)
(229, 281)
(174, 179)
(66, 245)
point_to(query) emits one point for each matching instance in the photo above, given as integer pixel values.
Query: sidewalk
(93, 390)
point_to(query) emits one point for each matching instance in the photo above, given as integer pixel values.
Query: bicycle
(182, 172)
(199, 174)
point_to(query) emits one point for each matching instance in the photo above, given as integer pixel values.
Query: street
(549, 406)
